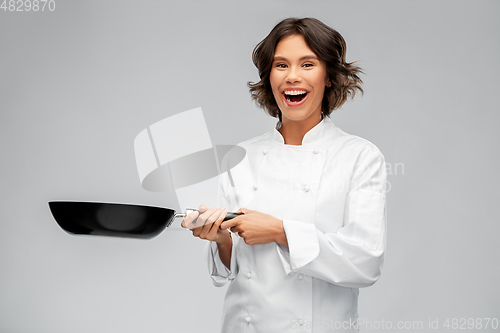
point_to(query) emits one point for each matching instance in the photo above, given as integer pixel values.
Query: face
(298, 79)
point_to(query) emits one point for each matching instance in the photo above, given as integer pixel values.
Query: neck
(293, 131)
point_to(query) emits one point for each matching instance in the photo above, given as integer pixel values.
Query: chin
(299, 116)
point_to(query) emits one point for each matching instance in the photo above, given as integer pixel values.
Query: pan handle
(229, 215)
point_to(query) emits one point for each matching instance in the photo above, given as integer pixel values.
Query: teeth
(295, 92)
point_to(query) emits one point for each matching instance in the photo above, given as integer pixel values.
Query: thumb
(229, 223)
(244, 210)
(203, 208)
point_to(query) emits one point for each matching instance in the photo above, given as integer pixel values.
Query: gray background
(78, 84)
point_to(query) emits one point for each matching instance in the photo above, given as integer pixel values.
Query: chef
(312, 197)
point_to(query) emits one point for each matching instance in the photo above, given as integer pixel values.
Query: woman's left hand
(257, 228)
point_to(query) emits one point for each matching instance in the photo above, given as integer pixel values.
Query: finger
(230, 223)
(202, 218)
(236, 229)
(243, 210)
(188, 220)
(206, 214)
(203, 208)
(212, 234)
(209, 223)
(214, 216)
(203, 231)
(197, 231)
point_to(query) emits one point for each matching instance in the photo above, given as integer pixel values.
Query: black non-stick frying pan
(114, 219)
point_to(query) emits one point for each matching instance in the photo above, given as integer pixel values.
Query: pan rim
(110, 203)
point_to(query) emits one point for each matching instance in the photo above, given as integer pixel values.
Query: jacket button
(306, 188)
(316, 151)
(248, 319)
(300, 276)
(255, 187)
(264, 152)
(301, 322)
(249, 275)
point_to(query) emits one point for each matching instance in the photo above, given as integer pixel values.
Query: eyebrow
(306, 57)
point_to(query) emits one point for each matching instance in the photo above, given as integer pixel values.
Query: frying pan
(156, 158)
(115, 219)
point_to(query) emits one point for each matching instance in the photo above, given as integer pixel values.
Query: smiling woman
(297, 78)
(312, 197)
(298, 83)
(324, 45)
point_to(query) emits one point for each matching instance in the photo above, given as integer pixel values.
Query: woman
(312, 198)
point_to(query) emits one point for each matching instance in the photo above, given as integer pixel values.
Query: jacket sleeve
(219, 273)
(352, 256)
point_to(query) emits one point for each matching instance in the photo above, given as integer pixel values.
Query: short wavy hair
(327, 44)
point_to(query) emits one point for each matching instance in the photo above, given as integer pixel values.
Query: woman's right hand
(207, 225)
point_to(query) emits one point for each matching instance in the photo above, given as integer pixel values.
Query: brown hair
(327, 44)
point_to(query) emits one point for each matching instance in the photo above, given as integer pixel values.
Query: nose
(293, 75)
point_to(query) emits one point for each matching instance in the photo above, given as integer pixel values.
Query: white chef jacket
(330, 193)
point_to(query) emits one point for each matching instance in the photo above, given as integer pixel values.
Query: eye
(308, 65)
(281, 65)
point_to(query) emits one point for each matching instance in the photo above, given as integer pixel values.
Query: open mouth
(295, 97)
